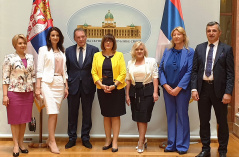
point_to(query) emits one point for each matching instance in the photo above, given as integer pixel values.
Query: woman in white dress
(52, 80)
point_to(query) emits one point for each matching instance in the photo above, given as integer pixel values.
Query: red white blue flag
(40, 23)
(172, 17)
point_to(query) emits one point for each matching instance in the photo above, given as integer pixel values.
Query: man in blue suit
(79, 59)
(212, 82)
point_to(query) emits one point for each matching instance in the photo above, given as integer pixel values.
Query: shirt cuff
(194, 90)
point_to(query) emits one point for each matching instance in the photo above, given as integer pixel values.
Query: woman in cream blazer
(52, 80)
(141, 89)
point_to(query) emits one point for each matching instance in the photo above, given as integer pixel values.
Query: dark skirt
(112, 104)
(19, 109)
(141, 104)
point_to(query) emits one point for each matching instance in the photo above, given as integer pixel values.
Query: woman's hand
(38, 93)
(5, 100)
(155, 96)
(127, 100)
(168, 88)
(175, 91)
(110, 88)
(66, 93)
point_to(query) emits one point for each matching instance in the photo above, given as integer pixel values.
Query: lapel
(166, 57)
(219, 52)
(204, 49)
(20, 61)
(147, 64)
(73, 56)
(183, 57)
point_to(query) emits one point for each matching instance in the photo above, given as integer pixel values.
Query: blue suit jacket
(223, 69)
(185, 67)
(75, 72)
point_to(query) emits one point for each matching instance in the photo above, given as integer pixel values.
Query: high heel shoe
(145, 144)
(107, 147)
(23, 150)
(15, 154)
(53, 150)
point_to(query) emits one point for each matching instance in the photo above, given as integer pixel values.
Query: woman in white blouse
(52, 80)
(141, 89)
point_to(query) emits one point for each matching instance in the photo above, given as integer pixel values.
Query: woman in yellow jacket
(109, 72)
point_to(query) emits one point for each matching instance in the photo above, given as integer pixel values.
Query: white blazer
(151, 69)
(46, 65)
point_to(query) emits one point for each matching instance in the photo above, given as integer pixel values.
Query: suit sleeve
(40, 64)
(194, 74)
(122, 67)
(187, 76)
(162, 78)
(230, 72)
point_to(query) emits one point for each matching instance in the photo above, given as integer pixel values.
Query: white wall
(197, 13)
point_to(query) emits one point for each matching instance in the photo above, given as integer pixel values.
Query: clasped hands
(107, 89)
(172, 91)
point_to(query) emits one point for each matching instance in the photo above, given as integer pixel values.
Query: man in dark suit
(79, 59)
(212, 82)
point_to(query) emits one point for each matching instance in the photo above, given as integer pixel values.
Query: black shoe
(182, 152)
(70, 144)
(23, 151)
(87, 144)
(222, 154)
(204, 153)
(15, 154)
(166, 150)
(114, 149)
(107, 147)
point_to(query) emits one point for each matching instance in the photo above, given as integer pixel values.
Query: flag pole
(40, 144)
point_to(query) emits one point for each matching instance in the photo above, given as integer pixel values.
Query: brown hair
(106, 38)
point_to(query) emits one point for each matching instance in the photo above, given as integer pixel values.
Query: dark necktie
(209, 61)
(81, 57)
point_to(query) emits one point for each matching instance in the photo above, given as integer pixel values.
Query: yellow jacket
(118, 67)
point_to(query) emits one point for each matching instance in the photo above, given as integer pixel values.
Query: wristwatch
(115, 86)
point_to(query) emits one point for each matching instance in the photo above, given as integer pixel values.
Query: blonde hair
(185, 38)
(135, 46)
(16, 37)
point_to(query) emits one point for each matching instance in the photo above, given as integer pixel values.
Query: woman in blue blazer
(174, 76)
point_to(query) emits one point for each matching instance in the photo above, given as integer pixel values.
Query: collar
(84, 47)
(215, 43)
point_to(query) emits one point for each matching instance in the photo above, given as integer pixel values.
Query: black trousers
(207, 99)
(73, 112)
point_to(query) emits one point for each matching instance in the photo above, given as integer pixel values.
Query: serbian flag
(40, 23)
(172, 17)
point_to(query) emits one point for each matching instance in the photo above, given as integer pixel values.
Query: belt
(144, 85)
(104, 76)
(208, 81)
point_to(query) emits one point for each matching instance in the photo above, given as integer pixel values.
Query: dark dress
(111, 104)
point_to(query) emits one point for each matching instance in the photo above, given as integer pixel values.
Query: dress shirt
(78, 51)
(213, 58)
